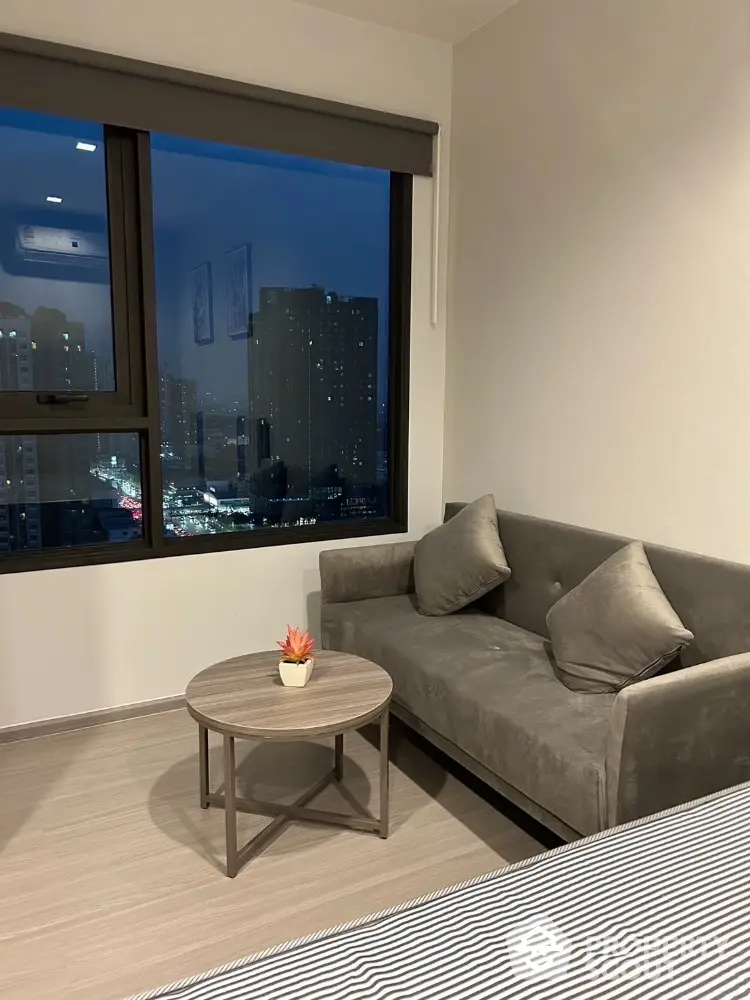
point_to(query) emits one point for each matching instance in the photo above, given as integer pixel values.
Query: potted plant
(296, 664)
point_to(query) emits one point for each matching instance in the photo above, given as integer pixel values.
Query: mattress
(659, 908)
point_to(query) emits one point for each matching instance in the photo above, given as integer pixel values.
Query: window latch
(62, 397)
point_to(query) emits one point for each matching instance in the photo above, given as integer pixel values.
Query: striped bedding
(656, 909)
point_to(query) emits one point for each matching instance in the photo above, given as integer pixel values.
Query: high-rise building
(16, 362)
(104, 381)
(343, 390)
(46, 482)
(222, 447)
(178, 407)
(313, 361)
(20, 515)
(61, 361)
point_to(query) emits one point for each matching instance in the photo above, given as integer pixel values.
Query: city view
(309, 447)
(272, 323)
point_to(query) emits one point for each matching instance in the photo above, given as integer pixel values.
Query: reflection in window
(55, 305)
(272, 297)
(67, 490)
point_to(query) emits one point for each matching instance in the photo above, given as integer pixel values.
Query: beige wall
(81, 639)
(599, 347)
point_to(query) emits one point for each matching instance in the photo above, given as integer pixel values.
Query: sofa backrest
(547, 559)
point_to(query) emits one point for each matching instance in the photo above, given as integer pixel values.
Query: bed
(659, 908)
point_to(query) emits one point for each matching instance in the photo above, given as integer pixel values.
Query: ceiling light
(86, 147)
(54, 199)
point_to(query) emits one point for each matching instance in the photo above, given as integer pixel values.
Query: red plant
(297, 646)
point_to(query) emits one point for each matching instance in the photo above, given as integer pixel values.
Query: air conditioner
(43, 245)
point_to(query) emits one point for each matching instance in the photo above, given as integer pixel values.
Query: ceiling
(447, 20)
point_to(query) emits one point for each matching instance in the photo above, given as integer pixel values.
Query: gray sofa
(479, 684)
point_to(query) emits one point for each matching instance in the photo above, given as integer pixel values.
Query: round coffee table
(244, 698)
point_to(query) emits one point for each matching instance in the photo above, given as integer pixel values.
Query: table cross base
(283, 814)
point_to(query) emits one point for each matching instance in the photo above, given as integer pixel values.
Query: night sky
(304, 221)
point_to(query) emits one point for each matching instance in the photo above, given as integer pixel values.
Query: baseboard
(86, 720)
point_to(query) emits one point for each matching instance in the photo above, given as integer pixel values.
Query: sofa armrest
(366, 571)
(677, 737)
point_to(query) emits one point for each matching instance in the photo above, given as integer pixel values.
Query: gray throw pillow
(461, 560)
(616, 627)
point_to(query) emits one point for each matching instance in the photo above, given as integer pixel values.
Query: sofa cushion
(488, 687)
(616, 627)
(461, 560)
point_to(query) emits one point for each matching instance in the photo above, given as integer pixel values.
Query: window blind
(58, 79)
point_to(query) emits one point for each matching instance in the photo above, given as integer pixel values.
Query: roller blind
(78, 83)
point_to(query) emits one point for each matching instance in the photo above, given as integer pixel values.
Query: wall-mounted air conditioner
(43, 245)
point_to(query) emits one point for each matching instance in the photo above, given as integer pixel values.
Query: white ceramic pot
(295, 675)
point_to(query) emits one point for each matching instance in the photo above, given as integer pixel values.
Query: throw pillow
(616, 627)
(461, 560)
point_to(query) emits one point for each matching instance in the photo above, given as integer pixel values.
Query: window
(55, 289)
(204, 312)
(69, 479)
(272, 277)
(61, 491)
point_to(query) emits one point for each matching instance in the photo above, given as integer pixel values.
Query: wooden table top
(244, 696)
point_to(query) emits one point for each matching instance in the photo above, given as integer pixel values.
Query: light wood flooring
(111, 878)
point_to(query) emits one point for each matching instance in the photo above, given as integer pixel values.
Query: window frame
(134, 406)
(126, 401)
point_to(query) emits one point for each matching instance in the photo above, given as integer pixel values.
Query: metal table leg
(203, 765)
(230, 805)
(338, 757)
(384, 775)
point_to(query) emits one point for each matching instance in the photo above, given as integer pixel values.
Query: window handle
(62, 397)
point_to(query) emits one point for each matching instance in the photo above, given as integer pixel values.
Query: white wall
(77, 640)
(599, 346)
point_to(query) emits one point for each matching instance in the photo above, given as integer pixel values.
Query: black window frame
(127, 400)
(134, 406)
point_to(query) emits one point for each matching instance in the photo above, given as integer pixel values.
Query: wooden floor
(111, 878)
